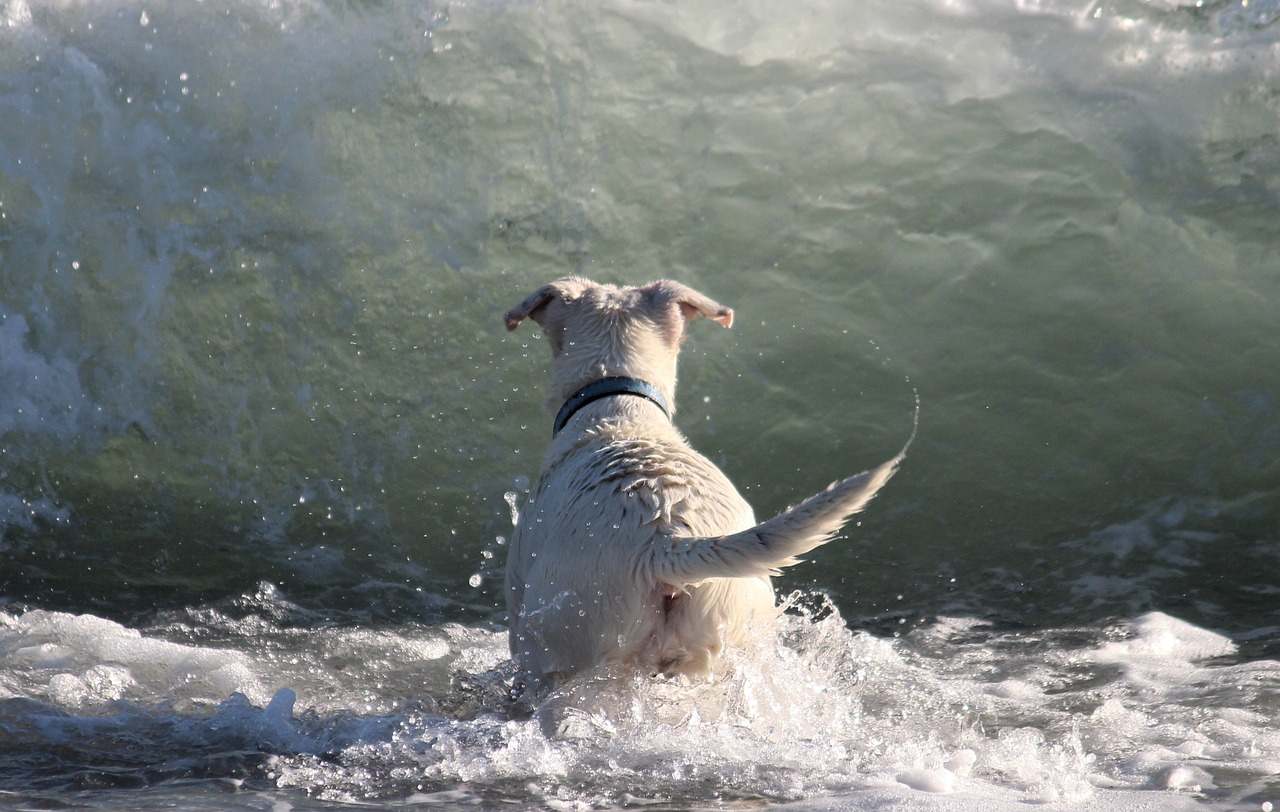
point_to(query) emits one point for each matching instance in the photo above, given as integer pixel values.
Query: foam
(1157, 638)
(79, 661)
(991, 799)
(827, 713)
(830, 711)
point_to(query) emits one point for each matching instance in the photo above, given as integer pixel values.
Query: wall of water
(254, 257)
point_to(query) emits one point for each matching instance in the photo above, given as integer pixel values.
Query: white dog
(633, 549)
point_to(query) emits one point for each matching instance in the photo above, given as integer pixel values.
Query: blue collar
(603, 388)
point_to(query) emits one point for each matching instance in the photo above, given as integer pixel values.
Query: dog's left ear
(692, 304)
(549, 307)
(531, 305)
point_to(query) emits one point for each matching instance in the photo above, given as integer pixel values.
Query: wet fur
(634, 550)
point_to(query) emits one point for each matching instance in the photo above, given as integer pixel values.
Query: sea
(263, 434)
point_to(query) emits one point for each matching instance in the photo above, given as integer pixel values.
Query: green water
(260, 257)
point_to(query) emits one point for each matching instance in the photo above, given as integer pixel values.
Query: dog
(633, 550)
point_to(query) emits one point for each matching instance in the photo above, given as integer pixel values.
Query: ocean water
(262, 433)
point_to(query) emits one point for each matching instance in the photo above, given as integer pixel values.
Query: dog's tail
(773, 544)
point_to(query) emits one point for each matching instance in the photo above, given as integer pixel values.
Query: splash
(424, 714)
(821, 710)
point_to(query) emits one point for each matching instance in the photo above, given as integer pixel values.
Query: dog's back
(577, 592)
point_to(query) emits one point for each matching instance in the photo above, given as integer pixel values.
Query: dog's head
(598, 331)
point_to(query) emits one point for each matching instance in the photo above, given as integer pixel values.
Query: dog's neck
(608, 387)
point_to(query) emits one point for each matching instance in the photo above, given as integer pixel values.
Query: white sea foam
(83, 661)
(1158, 639)
(871, 723)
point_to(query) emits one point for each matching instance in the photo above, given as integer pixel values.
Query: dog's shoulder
(649, 475)
(620, 449)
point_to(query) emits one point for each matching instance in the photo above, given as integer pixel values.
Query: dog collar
(606, 387)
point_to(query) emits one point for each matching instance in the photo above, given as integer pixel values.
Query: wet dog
(634, 550)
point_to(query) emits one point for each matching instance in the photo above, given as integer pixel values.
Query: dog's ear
(692, 304)
(549, 307)
(535, 304)
(532, 304)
